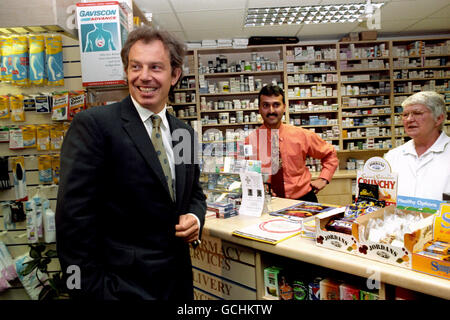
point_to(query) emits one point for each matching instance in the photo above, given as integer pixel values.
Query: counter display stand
(230, 267)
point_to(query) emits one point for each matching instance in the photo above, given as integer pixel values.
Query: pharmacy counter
(305, 250)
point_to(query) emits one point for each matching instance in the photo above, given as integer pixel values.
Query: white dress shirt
(427, 176)
(145, 115)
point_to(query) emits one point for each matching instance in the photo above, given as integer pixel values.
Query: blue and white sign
(102, 30)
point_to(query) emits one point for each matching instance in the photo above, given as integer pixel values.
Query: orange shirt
(295, 144)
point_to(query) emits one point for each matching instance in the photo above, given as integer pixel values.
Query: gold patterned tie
(162, 155)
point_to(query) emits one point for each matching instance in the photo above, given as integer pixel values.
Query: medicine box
(348, 292)
(272, 276)
(329, 289)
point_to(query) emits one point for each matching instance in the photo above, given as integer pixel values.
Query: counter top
(304, 249)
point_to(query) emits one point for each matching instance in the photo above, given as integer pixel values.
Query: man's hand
(318, 184)
(187, 228)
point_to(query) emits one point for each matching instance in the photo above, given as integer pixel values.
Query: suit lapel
(135, 129)
(180, 170)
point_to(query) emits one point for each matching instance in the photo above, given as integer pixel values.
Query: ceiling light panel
(345, 13)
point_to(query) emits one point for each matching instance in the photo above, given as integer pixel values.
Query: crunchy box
(399, 256)
(428, 265)
(331, 239)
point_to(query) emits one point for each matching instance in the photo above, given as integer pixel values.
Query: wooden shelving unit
(362, 82)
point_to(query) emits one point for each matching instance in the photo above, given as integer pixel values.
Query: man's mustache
(272, 114)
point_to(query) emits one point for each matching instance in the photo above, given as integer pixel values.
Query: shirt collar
(145, 114)
(281, 128)
(438, 145)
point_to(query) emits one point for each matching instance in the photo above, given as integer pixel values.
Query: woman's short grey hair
(430, 99)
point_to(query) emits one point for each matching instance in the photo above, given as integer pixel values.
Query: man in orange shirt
(283, 149)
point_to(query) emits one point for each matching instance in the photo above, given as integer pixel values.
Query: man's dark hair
(271, 90)
(147, 34)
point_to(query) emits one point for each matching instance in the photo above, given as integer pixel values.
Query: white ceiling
(196, 20)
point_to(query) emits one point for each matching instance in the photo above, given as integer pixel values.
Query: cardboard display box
(441, 232)
(331, 239)
(399, 256)
(368, 35)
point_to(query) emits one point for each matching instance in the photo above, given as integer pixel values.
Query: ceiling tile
(417, 9)
(213, 34)
(167, 21)
(197, 5)
(395, 25)
(328, 28)
(272, 31)
(224, 19)
(280, 3)
(430, 24)
(179, 34)
(214, 20)
(153, 6)
(442, 13)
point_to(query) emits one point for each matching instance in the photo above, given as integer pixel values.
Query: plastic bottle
(49, 226)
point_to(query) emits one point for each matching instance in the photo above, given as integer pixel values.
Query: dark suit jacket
(114, 217)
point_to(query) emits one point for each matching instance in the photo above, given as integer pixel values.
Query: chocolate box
(331, 239)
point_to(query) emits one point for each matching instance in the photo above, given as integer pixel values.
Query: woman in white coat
(423, 163)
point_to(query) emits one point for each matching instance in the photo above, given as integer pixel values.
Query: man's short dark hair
(147, 34)
(271, 90)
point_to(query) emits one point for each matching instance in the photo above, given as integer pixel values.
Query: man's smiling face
(272, 109)
(150, 74)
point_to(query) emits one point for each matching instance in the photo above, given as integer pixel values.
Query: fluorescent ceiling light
(345, 13)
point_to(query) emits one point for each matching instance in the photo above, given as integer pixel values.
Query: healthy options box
(102, 30)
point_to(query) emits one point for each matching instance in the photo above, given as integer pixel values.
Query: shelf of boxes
(183, 97)
(312, 89)
(419, 65)
(326, 84)
(229, 83)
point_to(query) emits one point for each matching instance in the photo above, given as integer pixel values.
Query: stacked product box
(280, 284)
(223, 210)
(434, 258)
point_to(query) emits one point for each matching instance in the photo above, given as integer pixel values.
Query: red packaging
(329, 289)
(348, 292)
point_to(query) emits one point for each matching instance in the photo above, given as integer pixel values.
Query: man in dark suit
(116, 217)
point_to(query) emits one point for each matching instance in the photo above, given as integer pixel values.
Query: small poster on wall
(102, 30)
